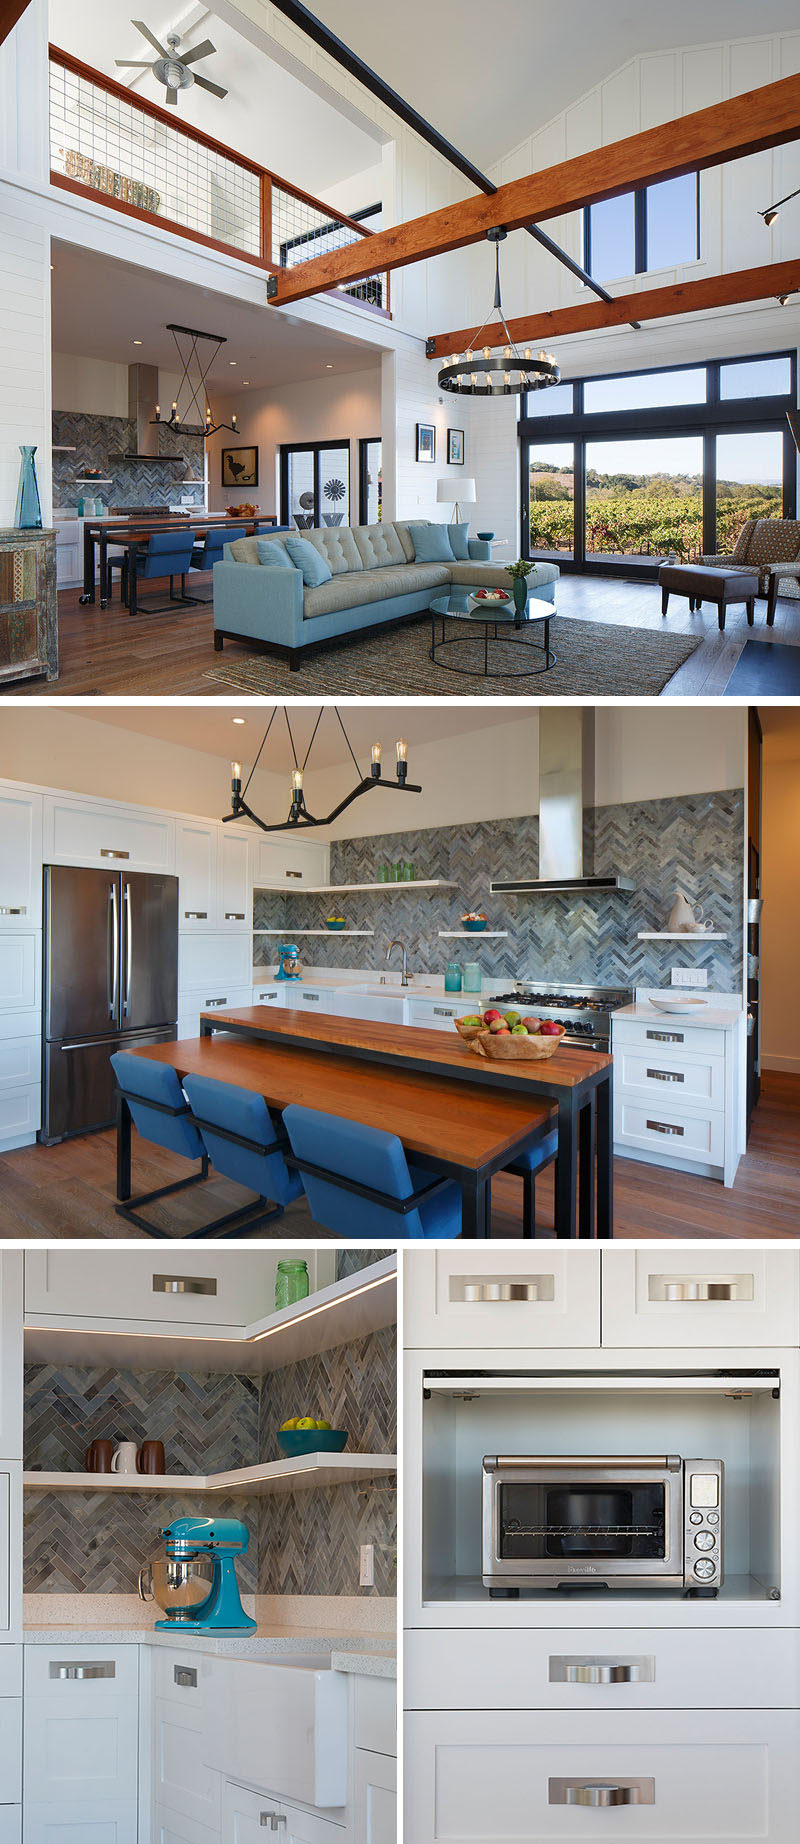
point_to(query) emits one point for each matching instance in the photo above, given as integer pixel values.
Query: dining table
(125, 532)
(575, 1086)
(451, 1129)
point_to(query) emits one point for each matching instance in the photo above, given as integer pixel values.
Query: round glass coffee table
(507, 648)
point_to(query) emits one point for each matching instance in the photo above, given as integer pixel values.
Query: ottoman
(700, 583)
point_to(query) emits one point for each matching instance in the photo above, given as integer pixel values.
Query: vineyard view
(642, 515)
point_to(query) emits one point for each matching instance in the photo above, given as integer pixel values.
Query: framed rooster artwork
(240, 467)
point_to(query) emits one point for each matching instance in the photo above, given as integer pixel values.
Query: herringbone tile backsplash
(304, 1542)
(100, 441)
(694, 842)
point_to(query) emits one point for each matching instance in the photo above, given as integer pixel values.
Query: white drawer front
(177, 1828)
(11, 1825)
(20, 1063)
(81, 1674)
(466, 1299)
(20, 1115)
(180, 1677)
(667, 1034)
(10, 1750)
(88, 832)
(10, 1672)
(376, 1715)
(437, 1016)
(375, 1799)
(20, 860)
(493, 1777)
(24, 1023)
(181, 1779)
(86, 1824)
(173, 1286)
(701, 1297)
(246, 1817)
(659, 1127)
(596, 1669)
(268, 995)
(20, 973)
(684, 1080)
(215, 966)
(78, 1753)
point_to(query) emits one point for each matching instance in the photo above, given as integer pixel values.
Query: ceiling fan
(169, 68)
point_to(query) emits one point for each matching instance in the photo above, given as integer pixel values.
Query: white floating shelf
(93, 480)
(709, 935)
(471, 934)
(63, 448)
(312, 1469)
(413, 883)
(313, 931)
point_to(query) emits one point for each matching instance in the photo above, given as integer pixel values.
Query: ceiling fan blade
(215, 88)
(132, 64)
(172, 99)
(150, 36)
(200, 51)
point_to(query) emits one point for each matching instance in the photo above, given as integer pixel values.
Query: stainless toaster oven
(652, 1521)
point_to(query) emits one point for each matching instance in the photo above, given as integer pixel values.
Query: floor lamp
(452, 486)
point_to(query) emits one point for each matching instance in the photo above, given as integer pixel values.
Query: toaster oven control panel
(702, 1542)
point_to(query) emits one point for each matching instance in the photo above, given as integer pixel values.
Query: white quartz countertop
(707, 1017)
(350, 1653)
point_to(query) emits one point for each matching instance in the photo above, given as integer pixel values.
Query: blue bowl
(485, 536)
(475, 928)
(296, 1441)
(335, 927)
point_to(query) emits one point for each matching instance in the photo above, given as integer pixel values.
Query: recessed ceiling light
(232, 361)
(137, 342)
(239, 720)
(329, 368)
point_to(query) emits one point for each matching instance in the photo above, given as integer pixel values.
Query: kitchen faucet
(402, 946)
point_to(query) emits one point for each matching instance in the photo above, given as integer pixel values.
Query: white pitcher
(685, 920)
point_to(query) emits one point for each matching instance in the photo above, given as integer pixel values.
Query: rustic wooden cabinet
(28, 606)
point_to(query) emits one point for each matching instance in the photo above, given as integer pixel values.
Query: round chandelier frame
(481, 375)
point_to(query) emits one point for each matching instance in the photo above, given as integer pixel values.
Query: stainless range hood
(567, 811)
(142, 404)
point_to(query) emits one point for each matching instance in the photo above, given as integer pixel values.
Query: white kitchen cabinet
(196, 864)
(250, 1818)
(11, 1269)
(191, 1006)
(279, 1725)
(10, 1749)
(174, 1287)
(181, 1780)
(374, 1799)
(11, 1824)
(175, 1828)
(307, 1828)
(435, 1014)
(677, 1093)
(20, 859)
(69, 553)
(466, 1299)
(303, 997)
(20, 980)
(20, 1116)
(82, 1752)
(80, 1824)
(735, 1295)
(105, 833)
(269, 993)
(289, 864)
(234, 884)
(375, 1714)
(490, 1777)
(213, 966)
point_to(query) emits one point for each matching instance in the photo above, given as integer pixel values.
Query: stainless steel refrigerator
(110, 983)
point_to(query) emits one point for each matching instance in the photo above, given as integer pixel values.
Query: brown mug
(151, 1458)
(99, 1457)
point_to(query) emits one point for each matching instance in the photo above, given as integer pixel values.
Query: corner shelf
(413, 883)
(334, 932)
(471, 934)
(312, 1469)
(702, 935)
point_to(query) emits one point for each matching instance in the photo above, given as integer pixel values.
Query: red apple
(532, 1025)
(490, 1016)
(498, 1024)
(550, 1028)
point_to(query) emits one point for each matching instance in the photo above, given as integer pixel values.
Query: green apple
(512, 1018)
(306, 1421)
(322, 1425)
(286, 1425)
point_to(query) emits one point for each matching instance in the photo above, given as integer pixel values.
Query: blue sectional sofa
(376, 580)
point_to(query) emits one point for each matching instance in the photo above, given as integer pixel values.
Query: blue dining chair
(205, 555)
(167, 553)
(244, 1143)
(359, 1182)
(527, 1166)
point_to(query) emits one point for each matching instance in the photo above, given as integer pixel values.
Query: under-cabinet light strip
(324, 1305)
(175, 1331)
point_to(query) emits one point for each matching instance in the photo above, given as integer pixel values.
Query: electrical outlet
(366, 1569)
(689, 976)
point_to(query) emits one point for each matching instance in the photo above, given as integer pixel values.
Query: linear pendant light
(299, 819)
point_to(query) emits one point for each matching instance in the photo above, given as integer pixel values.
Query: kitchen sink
(382, 992)
(375, 1004)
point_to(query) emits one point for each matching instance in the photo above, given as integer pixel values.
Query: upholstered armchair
(772, 547)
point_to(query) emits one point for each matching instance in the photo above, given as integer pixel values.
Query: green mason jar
(291, 1283)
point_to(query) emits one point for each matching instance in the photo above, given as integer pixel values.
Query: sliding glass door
(315, 484)
(551, 492)
(749, 481)
(370, 482)
(644, 499)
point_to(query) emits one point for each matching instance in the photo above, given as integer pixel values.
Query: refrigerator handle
(114, 983)
(128, 949)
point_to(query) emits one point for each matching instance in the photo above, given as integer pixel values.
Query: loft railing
(137, 158)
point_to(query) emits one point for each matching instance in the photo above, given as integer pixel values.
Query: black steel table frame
(584, 1125)
(509, 639)
(101, 535)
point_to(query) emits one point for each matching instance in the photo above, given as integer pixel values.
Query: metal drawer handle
(666, 1075)
(311, 998)
(601, 1674)
(234, 915)
(106, 852)
(212, 1003)
(8, 909)
(666, 1037)
(183, 1283)
(195, 915)
(685, 1288)
(601, 1792)
(75, 1674)
(660, 1126)
(271, 1820)
(493, 1293)
(185, 1677)
(444, 1011)
(268, 995)
(293, 874)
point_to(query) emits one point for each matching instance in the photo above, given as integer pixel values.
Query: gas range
(585, 1010)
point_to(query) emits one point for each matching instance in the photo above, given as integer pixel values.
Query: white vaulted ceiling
(212, 730)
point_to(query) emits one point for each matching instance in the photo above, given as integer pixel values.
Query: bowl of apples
(508, 1037)
(305, 1434)
(474, 922)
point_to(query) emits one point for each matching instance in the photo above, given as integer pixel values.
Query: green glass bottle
(291, 1283)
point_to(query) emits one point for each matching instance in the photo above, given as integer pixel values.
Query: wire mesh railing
(108, 141)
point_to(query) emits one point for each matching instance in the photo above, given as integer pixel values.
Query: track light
(774, 210)
(781, 300)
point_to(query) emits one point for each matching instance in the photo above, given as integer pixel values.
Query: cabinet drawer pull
(660, 1126)
(682, 1289)
(186, 1676)
(195, 915)
(213, 1003)
(444, 1011)
(601, 1674)
(311, 998)
(184, 1283)
(666, 1037)
(293, 874)
(234, 915)
(268, 995)
(496, 1290)
(9, 909)
(666, 1075)
(601, 1792)
(271, 1820)
(106, 852)
(75, 1674)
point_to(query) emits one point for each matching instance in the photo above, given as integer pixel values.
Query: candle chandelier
(192, 393)
(299, 819)
(478, 374)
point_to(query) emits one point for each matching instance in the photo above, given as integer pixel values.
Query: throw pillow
(315, 570)
(459, 542)
(431, 544)
(272, 553)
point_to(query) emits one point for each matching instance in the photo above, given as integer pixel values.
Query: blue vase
(28, 515)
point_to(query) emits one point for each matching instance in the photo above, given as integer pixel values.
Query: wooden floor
(168, 655)
(68, 1190)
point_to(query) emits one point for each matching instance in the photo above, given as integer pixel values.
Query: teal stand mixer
(289, 964)
(194, 1577)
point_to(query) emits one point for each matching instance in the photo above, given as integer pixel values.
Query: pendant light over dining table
(476, 373)
(299, 818)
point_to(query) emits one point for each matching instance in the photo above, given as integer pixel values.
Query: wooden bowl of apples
(505, 1037)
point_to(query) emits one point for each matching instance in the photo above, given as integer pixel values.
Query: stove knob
(695, 1517)
(704, 1569)
(704, 1540)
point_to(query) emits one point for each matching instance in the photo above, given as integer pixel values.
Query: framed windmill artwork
(240, 467)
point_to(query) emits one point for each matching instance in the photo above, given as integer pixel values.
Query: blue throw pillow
(314, 568)
(431, 544)
(459, 542)
(272, 553)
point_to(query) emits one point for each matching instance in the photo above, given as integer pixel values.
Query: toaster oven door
(584, 1521)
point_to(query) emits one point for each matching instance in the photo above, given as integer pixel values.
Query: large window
(657, 227)
(315, 484)
(626, 470)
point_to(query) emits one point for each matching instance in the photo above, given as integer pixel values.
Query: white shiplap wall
(24, 349)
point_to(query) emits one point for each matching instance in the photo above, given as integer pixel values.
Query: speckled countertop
(349, 1652)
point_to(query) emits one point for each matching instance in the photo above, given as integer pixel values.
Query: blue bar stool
(205, 555)
(167, 553)
(526, 1166)
(243, 1142)
(360, 1183)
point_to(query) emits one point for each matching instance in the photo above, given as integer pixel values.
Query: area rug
(765, 669)
(594, 660)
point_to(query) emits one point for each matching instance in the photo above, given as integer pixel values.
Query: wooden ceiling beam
(695, 297)
(767, 117)
(10, 12)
